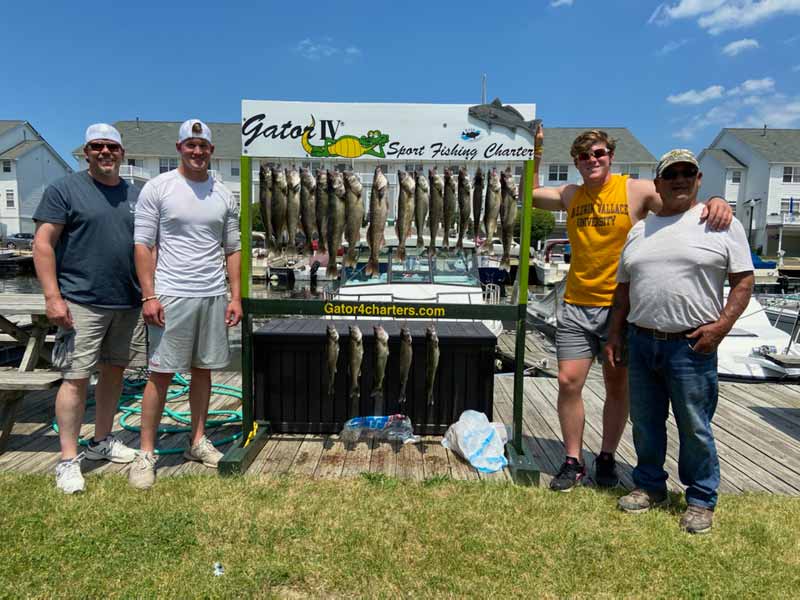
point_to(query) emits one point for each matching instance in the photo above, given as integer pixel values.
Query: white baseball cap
(103, 131)
(194, 128)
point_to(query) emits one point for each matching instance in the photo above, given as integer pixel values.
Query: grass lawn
(377, 536)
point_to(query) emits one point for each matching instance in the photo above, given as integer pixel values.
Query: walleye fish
(321, 194)
(308, 208)
(491, 210)
(279, 191)
(356, 355)
(450, 206)
(422, 196)
(332, 355)
(265, 203)
(292, 206)
(464, 205)
(436, 207)
(378, 210)
(508, 213)
(405, 210)
(381, 357)
(432, 363)
(477, 204)
(336, 202)
(406, 355)
(353, 216)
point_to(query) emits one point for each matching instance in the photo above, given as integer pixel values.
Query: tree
(255, 217)
(543, 223)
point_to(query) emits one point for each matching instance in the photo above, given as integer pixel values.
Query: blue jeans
(660, 371)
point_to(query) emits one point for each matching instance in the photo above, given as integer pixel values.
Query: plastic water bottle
(392, 427)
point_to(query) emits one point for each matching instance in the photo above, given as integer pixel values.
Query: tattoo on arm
(738, 298)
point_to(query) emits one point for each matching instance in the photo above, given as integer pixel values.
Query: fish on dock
(381, 358)
(308, 208)
(491, 209)
(378, 211)
(331, 356)
(508, 214)
(464, 205)
(436, 207)
(353, 216)
(432, 365)
(356, 356)
(422, 195)
(405, 210)
(336, 208)
(406, 356)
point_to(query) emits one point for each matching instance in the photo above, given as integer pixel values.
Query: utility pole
(483, 89)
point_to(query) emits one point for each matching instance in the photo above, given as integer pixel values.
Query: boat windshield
(448, 267)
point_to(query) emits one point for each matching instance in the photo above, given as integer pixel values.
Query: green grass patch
(376, 536)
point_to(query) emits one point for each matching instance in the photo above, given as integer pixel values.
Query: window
(167, 164)
(9, 198)
(736, 176)
(518, 171)
(234, 170)
(791, 174)
(413, 167)
(6, 166)
(629, 170)
(790, 206)
(558, 173)
(733, 207)
(131, 162)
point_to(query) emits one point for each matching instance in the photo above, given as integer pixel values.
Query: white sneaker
(204, 452)
(69, 478)
(110, 448)
(142, 474)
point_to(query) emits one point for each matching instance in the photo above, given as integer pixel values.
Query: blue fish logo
(470, 135)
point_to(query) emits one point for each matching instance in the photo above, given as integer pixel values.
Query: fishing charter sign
(483, 132)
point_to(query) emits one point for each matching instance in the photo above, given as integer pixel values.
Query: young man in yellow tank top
(600, 212)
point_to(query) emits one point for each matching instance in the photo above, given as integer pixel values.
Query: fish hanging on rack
(450, 206)
(464, 206)
(432, 365)
(381, 358)
(405, 210)
(436, 207)
(308, 208)
(491, 210)
(321, 196)
(265, 203)
(406, 355)
(508, 214)
(353, 216)
(477, 204)
(292, 207)
(332, 356)
(422, 195)
(356, 356)
(336, 208)
(378, 210)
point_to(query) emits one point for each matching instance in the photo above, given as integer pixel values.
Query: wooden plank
(409, 462)
(357, 458)
(282, 457)
(382, 460)
(261, 458)
(331, 461)
(434, 457)
(307, 457)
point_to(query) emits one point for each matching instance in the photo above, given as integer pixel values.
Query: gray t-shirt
(190, 223)
(94, 255)
(677, 267)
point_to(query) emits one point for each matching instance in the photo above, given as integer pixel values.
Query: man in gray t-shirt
(83, 252)
(187, 231)
(670, 290)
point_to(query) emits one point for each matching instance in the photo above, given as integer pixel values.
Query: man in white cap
(670, 291)
(83, 252)
(187, 232)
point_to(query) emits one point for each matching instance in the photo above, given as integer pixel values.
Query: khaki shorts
(194, 335)
(100, 336)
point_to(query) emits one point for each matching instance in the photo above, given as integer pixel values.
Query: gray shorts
(582, 331)
(194, 335)
(99, 335)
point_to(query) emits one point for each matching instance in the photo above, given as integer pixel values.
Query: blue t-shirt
(94, 255)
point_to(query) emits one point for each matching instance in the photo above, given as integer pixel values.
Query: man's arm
(233, 314)
(44, 260)
(144, 258)
(709, 336)
(547, 198)
(644, 198)
(619, 315)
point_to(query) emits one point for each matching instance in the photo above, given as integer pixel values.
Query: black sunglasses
(98, 146)
(599, 153)
(687, 173)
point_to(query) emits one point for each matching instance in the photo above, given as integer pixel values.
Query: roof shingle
(776, 145)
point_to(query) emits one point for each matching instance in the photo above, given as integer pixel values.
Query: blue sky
(673, 72)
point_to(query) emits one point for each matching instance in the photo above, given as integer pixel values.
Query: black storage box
(291, 374)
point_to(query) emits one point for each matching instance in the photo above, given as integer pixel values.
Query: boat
(754, 349)
(552, 262)
(448, 278)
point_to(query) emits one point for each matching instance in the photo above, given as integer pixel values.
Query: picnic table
(14, 383)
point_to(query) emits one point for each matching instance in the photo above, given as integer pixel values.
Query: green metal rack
(238, 458)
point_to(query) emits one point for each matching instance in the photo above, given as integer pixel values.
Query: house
(758, 172)
(28, 164)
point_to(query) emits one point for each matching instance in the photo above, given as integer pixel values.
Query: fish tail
(372, 267)
(401, 252)
(331, 271)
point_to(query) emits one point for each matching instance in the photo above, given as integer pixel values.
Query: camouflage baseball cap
(679, 155)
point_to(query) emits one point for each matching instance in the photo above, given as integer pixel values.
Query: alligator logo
(346, 146)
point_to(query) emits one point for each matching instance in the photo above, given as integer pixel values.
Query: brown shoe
(697, 519)
(640, 501)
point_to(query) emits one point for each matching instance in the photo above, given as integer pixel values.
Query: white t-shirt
(189, 222)
(677, 268)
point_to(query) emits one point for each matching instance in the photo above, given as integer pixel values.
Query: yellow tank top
(597, 226)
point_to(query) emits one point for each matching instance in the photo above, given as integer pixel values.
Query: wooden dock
(757, 427)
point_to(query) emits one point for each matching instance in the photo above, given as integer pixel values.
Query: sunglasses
(98, 146)
(687, 173)
(599, 153)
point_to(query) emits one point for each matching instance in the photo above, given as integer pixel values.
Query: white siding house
(28, 164)
(759, 171)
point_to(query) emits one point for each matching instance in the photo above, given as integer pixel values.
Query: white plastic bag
(478, 441)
